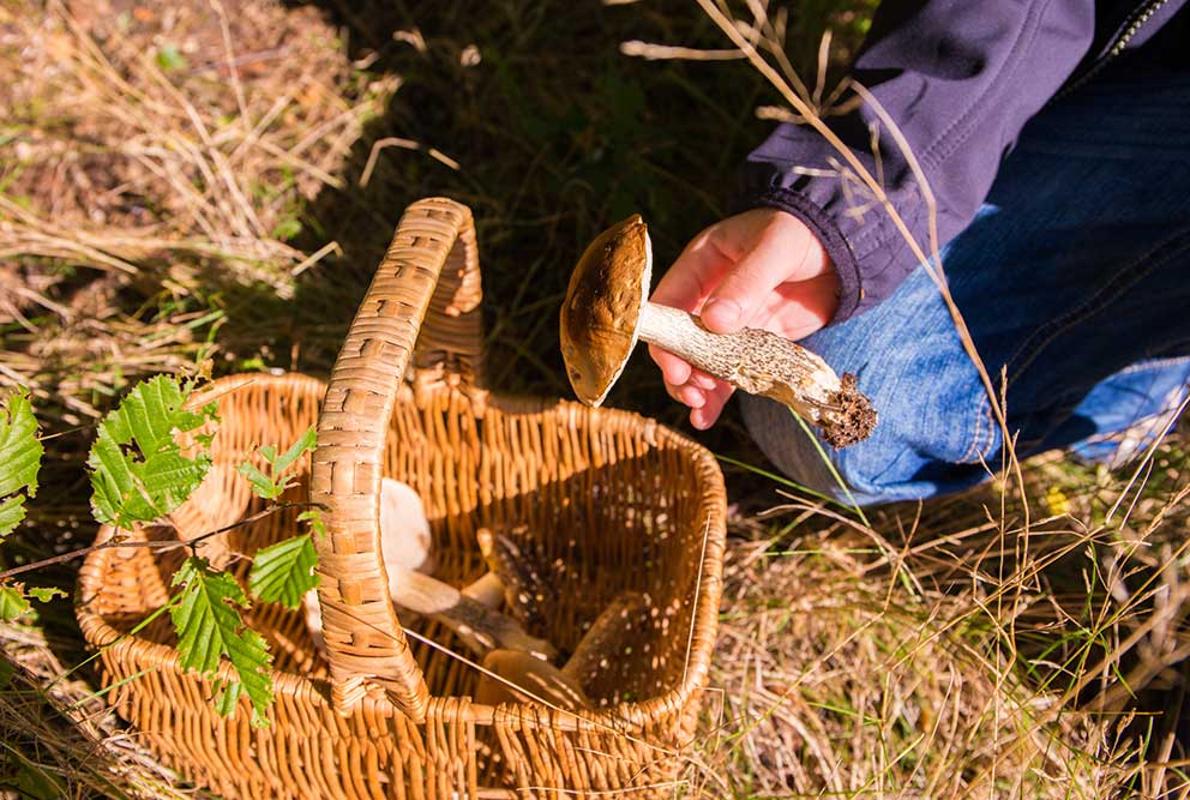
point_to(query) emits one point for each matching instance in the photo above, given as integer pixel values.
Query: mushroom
(405, 537)
(521, 678)
(406, 548)
(481, 628)
(607, 310)
(526, 679)
(517, 579)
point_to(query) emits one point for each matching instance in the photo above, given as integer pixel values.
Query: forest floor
(205, 186)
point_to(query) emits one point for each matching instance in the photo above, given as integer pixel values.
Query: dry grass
(59, 739)
(938, 659)
(156, 159)
(158, 170)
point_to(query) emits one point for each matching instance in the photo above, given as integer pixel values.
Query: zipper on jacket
(1132, 25)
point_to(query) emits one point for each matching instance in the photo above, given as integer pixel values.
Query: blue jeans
(1074, 279)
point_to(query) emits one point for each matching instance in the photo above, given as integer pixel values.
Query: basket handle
(432, 265)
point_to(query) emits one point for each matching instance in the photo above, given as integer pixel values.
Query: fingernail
(722, 313)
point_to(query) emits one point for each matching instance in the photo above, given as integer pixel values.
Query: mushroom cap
(532, 681)
(607, 292)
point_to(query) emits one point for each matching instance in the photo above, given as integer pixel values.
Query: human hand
(763, 268)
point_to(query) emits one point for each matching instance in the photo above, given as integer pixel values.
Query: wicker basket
(605, 500)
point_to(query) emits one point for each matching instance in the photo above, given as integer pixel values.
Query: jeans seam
(1112, 289)
(977, 436)
(980, 442)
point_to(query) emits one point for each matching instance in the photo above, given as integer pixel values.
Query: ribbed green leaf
(138, 470)
(273, 485)
(210, 628)
(20, 459)
(12, 603)
(287, 459)
(12, 511)
(262, 485)
(284, 572)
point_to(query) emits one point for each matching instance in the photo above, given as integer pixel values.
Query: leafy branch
(284, 572)
(191, 544)
(210, 628)
(20, 460)
(150, 454)
(20, 463)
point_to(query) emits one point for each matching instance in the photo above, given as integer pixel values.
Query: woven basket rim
(623, 716)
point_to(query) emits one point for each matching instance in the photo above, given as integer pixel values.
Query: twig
(662, 52)
(193, 544)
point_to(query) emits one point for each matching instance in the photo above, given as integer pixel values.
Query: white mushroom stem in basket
(470, 613)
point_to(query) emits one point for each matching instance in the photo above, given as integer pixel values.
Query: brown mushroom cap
(607, 291)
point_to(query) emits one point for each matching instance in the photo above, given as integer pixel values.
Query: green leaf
(303, 444)
(287, 228)
(12, 604)
(284, 572)
(272, 486)
(227, 697)
(313, 518)
(12, 512)
(169, 58)
(210, 628)
(138, 471)
(262, 485)
(20, 451)
(45, 594)
(33, 781)
(20, 459)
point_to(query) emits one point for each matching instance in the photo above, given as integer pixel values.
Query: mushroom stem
(526, 679)
(487, 590)
(763, 363)
(481, 628)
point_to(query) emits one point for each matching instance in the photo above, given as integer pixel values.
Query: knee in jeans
(901, 461)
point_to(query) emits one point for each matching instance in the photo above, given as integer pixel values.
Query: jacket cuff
(824, 226)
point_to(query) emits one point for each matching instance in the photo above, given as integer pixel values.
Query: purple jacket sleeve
(960, 79)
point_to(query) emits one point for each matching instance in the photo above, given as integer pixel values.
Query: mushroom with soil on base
(518, 677)
(469, 612)
(607, 310)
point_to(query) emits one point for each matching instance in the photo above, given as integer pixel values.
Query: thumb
(784, 251)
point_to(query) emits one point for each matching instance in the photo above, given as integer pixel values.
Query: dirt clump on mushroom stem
(855, 417)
